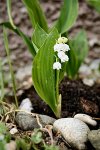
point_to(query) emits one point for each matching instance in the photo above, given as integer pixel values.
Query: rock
(28, 122)
(45, 120)
(13, 131)
(86, 118)
(73, 130)
(89, 82)
(94, 138)
(26, 105)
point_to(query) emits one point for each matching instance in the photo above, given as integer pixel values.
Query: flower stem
(57, 94)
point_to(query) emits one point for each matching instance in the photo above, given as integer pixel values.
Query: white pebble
(86, 118)
(89, 82)
(13, 131)
(73, 130)
(26, 105)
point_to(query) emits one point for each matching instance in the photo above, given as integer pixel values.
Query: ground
(76, 97)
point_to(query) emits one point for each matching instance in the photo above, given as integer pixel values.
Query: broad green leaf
(77, 54)
(80, 45)
(68, 15)
(95, 4)
(42, 72)
(25, 38)
(39, 36)
(36, 14)
(71, 67)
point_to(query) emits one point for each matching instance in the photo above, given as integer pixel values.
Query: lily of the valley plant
(47, 70)
(52, 57)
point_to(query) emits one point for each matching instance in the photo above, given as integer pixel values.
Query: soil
(76, 98)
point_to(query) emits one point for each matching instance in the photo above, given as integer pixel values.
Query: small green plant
(51, 55)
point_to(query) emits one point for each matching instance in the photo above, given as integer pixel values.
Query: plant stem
(10, 65)
(57, 94)
(1, 81)
(9, 13)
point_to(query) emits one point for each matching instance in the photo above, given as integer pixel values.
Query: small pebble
(26, 105)
(89, 82)
(86, 118)
(73, 130)
(13, 131)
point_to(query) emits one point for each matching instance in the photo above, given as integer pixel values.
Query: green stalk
(58, 97)
(10, 65)
(1, 81)
(9, 13)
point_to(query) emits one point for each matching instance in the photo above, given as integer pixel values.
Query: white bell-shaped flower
(61, 47)
(64, 59)
(57, 65)
(63, 56)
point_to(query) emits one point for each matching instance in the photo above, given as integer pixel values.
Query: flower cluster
(61, 48)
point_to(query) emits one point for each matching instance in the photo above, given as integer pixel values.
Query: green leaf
(39, 36)
(77, 54)
(3, 128)
(9, 12)
(42, 72)
(71, 67)
(36, 137)
(2, 145)
(21, 144)
(25, 38)
(36, 14)
(95, 4)
(68, 15)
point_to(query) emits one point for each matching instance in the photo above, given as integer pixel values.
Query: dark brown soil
(76, 98)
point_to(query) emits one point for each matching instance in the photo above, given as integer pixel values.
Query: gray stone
(28, 122)
(73, 130)
(94, 138)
